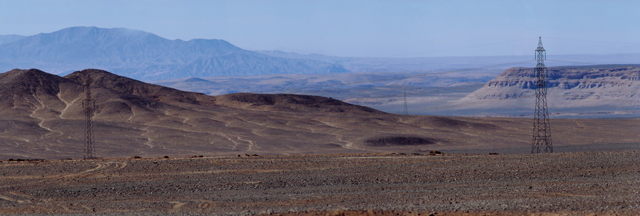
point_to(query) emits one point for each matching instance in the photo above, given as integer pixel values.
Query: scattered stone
(435, 152)
(345, 184)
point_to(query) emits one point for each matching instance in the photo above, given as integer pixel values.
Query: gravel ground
(349, 184)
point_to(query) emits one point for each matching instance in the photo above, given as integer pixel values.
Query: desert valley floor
(602, 183)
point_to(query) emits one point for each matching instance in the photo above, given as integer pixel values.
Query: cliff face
(569, 86)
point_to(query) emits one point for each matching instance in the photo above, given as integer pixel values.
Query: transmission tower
(405, 111)
(541, 141)
(89, 107)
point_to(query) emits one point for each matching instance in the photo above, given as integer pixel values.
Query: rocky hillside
(569, 86)
(41, 116)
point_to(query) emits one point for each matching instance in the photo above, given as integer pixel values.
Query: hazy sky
(399, 28)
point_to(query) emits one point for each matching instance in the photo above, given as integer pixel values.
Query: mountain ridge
(10, 38)
(149, 57)
(146, 56)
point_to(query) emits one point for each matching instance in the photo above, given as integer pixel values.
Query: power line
(405, 77)
(575, 62)
(419, 92)
(512, 41)
(405, 111)
(592, 41)
(422, 75)
(457, 48)
(89, 106)
(398, 78)
(464, 104)
(541, 140)
(519, 98)
(444, 72)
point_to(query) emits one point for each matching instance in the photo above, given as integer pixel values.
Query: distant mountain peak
(146, 56)
(82, 34)
(194, 79)
(80, 30)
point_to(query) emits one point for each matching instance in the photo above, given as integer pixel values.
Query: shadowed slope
(290, 102)
(33, 92)
(130, 87)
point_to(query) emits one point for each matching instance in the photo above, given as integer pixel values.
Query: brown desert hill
(127, 87)
(25, 92)
(291, 103)
(42, 117)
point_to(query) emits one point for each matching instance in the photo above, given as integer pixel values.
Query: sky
(355, 28)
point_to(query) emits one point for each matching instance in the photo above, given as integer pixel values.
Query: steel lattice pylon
(541, 141)
(89, 106)
(405, 111)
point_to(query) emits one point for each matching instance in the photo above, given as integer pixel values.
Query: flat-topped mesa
(598, 80)
(559, 75)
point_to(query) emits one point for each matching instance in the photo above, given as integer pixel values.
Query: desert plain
(581, 183)
(245, 154)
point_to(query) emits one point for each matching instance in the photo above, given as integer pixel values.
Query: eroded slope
(42, 117)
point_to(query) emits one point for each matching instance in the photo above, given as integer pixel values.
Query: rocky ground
(444, 184)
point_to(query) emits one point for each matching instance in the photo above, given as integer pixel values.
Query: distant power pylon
(405, 111)
(541, 141)
(89, 107)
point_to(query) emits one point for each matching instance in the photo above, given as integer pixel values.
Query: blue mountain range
(145, 56)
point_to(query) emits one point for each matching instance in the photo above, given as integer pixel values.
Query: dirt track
(574, 183)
